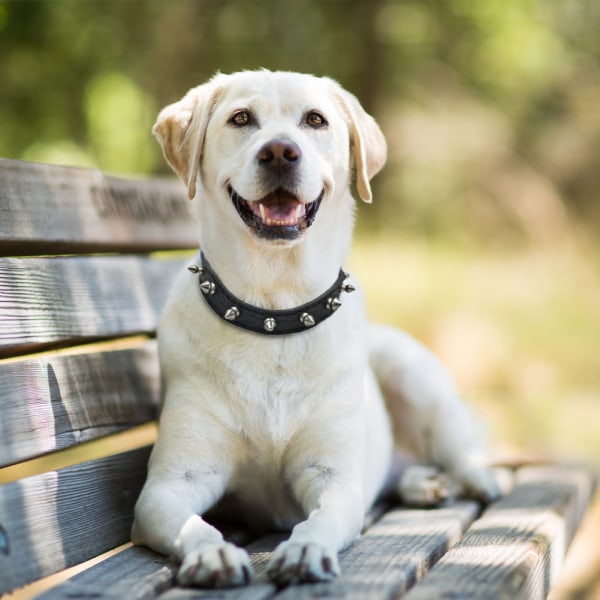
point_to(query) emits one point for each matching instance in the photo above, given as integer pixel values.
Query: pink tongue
(275, 213)
(282, 212)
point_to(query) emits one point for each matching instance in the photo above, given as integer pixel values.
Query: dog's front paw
(424, 486)
(221, 566)
(295, 563)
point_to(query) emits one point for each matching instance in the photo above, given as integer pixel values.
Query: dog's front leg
(167, 519)
(188, 474)
(334, 503)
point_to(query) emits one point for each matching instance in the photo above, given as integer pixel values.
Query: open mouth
(279, 215)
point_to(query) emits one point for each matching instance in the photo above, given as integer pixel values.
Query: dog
(277, 392)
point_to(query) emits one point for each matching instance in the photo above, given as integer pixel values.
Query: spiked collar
(268, 322)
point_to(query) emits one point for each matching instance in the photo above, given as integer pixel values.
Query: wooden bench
(87, 261)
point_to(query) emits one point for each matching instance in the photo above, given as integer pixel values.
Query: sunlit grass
(518, 328)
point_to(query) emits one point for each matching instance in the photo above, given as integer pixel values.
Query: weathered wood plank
(139, 574)
(516, 548)
(135, 574)
(390, 557)
(46, 209)
(47, 302)
(255, 591)
(53, 403)
(394, 554)
(52, 521)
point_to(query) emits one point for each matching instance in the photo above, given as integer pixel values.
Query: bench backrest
(80, 295)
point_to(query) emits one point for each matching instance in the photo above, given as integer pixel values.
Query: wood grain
(47, 209)
(516, 548)
(390, 557)
(54, 403)
(510, 549)
(52, 521)
(50, 302)
(134, 574)
(139, 574)
(395, 552)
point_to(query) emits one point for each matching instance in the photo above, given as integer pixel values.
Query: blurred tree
(471, 94)
(490, 108)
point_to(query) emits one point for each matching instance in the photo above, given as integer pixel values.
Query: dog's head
(272, 145)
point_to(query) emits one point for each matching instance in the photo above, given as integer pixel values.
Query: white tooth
(299, 209)
(263, 213)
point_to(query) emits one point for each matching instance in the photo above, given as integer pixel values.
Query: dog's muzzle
(280, 215)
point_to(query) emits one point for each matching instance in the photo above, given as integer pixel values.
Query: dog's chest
(272, 418)
(272, 405)
(275, 375)
(269, 392)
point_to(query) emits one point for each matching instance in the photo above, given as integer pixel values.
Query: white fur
(298, 428)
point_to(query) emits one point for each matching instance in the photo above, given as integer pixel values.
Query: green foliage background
(483, 239)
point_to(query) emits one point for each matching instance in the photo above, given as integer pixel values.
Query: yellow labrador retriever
(277, 391)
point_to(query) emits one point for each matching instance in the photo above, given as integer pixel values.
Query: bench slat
(135, 574)
(47, 209)
(56, 520)
(387, 559)
(55, 301)
(394, 554)
(516, 548)
(54, 403)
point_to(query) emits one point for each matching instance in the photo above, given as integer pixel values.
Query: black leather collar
(268, 322)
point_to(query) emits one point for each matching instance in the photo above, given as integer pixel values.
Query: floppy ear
(368, 148)
(180, 128)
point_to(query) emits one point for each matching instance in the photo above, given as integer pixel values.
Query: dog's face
(279, 147)
(271, 148)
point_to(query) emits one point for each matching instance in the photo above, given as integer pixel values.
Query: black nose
(279, 152)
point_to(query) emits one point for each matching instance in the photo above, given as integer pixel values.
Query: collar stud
(269, 324)
(307, 319)
(208, 287)
(333, 303)
(231, 314)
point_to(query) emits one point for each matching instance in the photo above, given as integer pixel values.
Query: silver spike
(348, 288)
(231, 314)
(208, 287)
(269, 324)
(195, 269)
(333, 304)
(307, 319)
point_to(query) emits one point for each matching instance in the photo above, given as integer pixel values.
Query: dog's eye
(240, 118)
(315, 120)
